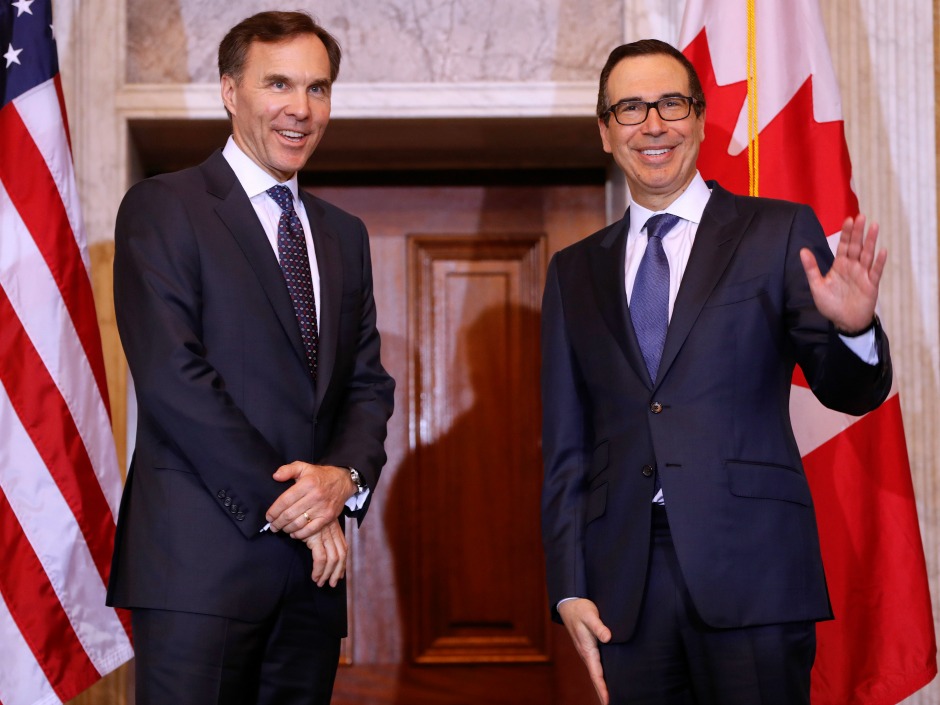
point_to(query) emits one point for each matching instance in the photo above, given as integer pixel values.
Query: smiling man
(679, 531)
(246, 312)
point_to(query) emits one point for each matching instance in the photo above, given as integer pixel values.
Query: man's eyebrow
(281, 78)
(639, 99)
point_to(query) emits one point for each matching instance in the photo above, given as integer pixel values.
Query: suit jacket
(715, 425)
(224, 396)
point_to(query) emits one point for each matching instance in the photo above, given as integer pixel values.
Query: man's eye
(279, 84)
(629, 107)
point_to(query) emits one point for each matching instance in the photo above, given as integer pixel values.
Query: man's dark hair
(647, 47)
(271, 27)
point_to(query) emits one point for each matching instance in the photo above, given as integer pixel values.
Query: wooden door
(447, 594)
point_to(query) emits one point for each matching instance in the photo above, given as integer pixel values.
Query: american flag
(774, 128)
(59, 480)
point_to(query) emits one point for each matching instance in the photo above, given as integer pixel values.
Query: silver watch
(357, 478)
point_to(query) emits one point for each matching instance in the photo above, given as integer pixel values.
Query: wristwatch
(357, 478)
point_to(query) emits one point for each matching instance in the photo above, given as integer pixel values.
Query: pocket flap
(734, 292)
(768, 482)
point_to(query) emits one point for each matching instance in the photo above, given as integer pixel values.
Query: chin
(290, 166)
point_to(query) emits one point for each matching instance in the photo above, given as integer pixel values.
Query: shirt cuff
(864, 346)
(358, 500)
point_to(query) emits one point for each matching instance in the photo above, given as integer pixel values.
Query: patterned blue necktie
(649, 302)
(292, 254)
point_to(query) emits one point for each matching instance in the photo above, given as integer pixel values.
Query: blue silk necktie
(649, 302)
(295, 264)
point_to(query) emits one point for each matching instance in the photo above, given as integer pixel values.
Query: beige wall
(155, 58)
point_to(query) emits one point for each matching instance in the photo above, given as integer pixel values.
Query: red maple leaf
(799, 159)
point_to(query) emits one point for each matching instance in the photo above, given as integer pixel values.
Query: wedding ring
(307, 517)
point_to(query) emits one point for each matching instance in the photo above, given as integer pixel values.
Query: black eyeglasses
(634, 112)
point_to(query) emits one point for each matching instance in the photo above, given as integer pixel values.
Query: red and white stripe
(59, 480)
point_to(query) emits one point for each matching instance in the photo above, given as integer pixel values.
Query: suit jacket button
(656, 407)
(233, 509)
(647, 471)
(228, 501)
(240, 516)
(220, 494)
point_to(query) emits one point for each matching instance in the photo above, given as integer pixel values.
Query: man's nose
(299, 104)
(654, 123)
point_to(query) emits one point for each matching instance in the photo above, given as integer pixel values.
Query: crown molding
(377, 101)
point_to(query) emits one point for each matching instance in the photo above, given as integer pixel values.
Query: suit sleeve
(837, 376)
(158, 296)
(565, 451)
(358, 437)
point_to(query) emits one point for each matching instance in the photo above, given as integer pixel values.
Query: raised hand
(848, 293)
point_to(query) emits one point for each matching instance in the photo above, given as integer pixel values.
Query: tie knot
(284, 198)
(660, 224)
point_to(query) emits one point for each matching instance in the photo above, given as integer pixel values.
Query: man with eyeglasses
(679, 532)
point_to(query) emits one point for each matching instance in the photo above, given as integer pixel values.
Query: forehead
(648, 77)
(304, 54)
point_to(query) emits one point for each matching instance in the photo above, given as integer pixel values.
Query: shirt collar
(689, 206)
(252, 177)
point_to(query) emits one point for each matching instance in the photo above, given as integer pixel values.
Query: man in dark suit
(679, 532)
(247, 315)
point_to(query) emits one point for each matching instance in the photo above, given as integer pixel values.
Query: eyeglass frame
(650, 105)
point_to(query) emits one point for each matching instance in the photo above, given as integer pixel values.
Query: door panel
(446, 577)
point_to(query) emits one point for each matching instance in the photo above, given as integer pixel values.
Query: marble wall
(419, 41)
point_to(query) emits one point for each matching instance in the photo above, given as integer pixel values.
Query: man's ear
(227, 86)
(605, 134)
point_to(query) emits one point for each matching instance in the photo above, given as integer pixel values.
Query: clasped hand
(308, 511)
(847, 294)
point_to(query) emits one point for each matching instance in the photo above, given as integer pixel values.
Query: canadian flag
(774, 128)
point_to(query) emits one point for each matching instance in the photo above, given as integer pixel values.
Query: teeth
(654, 152)
(291, 134)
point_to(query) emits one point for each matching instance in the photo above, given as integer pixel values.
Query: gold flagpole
(753, 147)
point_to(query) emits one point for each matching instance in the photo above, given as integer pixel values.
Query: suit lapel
(607, 275)
(238, 215)
(330, 266)
(716, 240)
